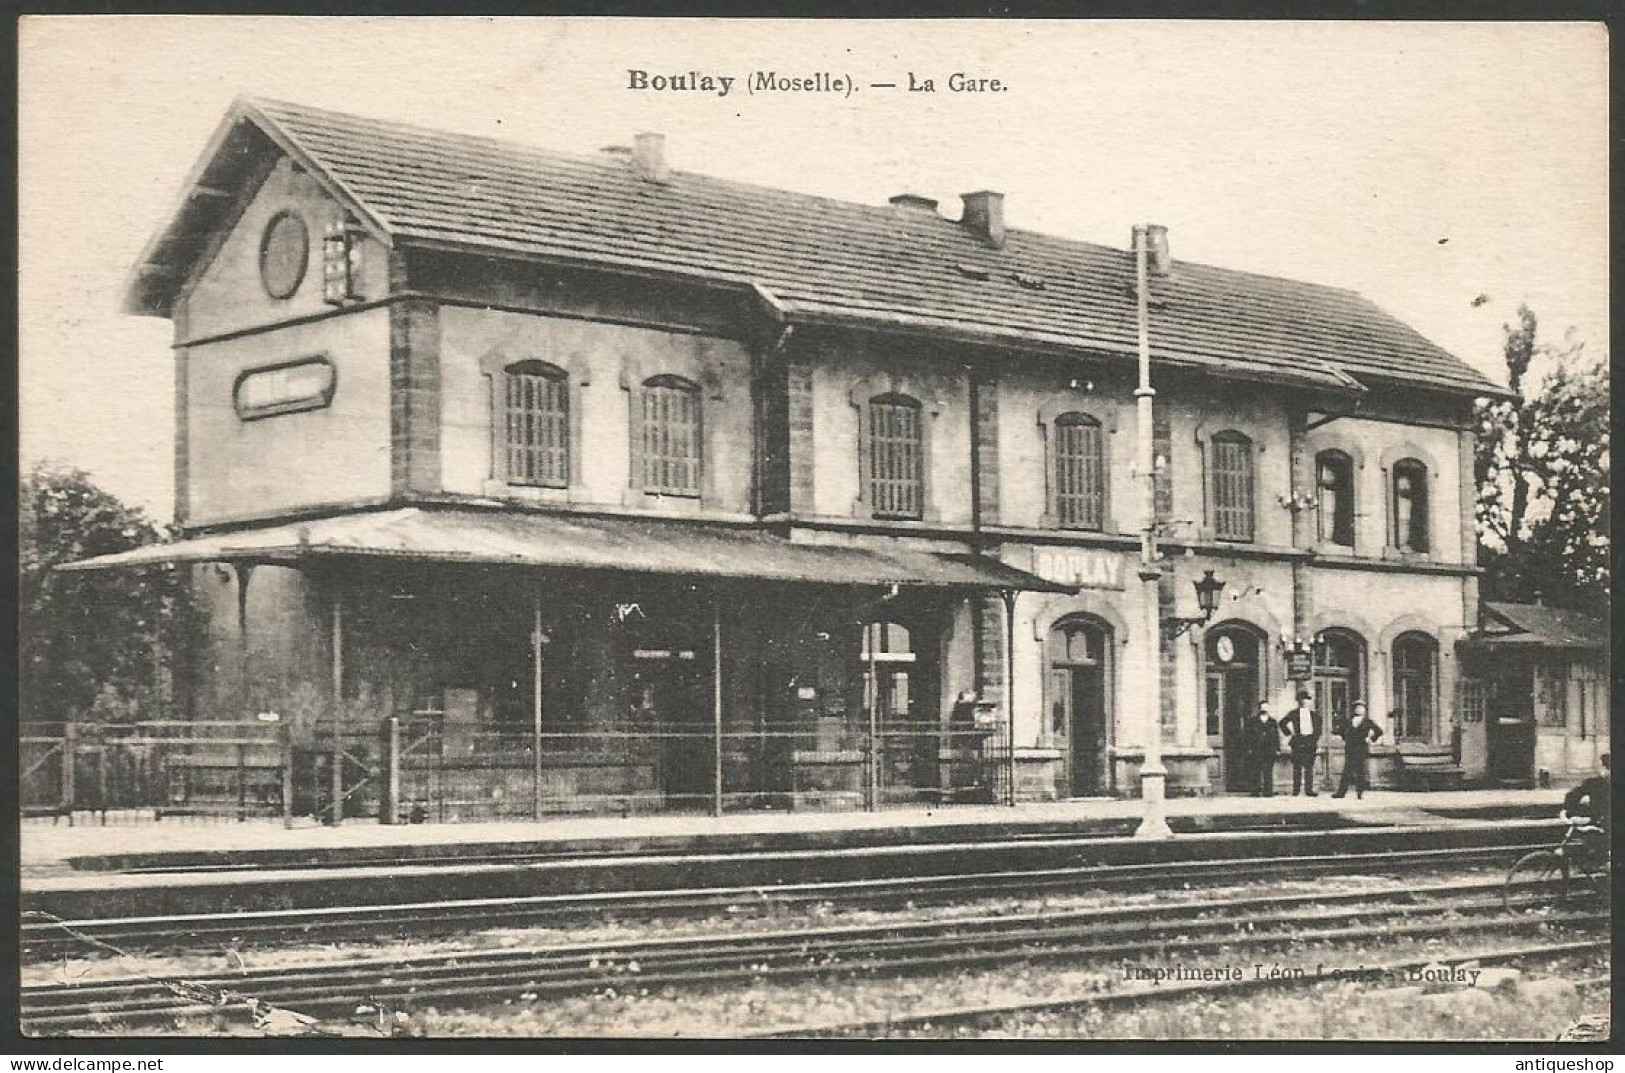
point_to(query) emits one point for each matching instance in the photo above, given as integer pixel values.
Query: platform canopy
(578, 542)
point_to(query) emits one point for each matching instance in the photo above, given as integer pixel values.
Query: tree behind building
(103, 646)
(1542, 471)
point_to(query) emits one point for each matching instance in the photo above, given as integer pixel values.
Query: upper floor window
(1413, 657)
(537, 411)
(1080, 472)
(896, 457)
(1233, 487)
(671, 436)
(1334, 481)
(1410, 507)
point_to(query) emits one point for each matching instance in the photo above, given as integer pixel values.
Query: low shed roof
(577, 542)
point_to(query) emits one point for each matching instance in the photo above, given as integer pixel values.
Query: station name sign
(1085, 567)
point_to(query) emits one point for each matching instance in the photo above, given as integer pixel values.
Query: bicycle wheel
(1536, 879)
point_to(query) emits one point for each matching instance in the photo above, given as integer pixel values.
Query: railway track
(51, 939)
(958, 1020)
(472, 978)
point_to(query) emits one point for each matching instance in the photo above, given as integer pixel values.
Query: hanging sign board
(1299, 665)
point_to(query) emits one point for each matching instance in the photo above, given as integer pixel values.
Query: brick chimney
(1160, 262)
(649, 157)
(984, 216)
(915, 203)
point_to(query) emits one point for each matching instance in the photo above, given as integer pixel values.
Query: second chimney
(984, 216)
(1160, 262)
(649, 157)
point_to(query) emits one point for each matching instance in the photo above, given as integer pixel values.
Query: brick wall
(1169, 665)
(414, 393)
(987, 448)
(799, 389)
(990, 648)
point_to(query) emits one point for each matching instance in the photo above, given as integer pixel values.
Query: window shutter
(1080, 493)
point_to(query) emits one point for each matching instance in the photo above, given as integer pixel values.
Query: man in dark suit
(1302, 728)
(1358, 734)
(1263, 746)
(1593, 798)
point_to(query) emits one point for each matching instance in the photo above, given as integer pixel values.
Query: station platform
(56, 849)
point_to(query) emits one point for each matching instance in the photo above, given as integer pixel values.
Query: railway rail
(954, 1020)
(476, 977)
(52, 939)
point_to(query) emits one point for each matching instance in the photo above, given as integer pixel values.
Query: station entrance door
(1234, 689)
(1080, 717)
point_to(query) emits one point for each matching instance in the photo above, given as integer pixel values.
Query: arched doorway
(1079, 688)
(1235, 685)
(1339, 674)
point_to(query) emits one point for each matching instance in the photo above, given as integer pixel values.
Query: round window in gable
(284, 252)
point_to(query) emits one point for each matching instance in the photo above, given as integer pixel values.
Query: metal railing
(430, 769)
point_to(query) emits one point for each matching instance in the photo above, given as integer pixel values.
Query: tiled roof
(1552, 627)
(822, 259)
(582, 542)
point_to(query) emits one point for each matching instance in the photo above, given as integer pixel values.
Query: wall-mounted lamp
(1297, 502)
(1207, 599)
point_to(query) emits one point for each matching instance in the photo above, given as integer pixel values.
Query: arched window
(1080, 472)
(1414, 656)
(1410, 508)
(1232, 487)
(1334, 482)
(896, 457)
(671, 436)
(537, 411)
(1338, 659)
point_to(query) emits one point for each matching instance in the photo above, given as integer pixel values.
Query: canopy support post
(1009, 598)
(336, 764)
(716, 705)
(244, 571)
(536, 639)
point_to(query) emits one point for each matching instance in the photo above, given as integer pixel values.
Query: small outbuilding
(1534, 695)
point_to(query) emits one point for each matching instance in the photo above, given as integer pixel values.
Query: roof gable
(1555, 627)
(820, 260)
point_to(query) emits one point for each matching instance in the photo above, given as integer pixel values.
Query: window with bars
(537, 408)
(1080, 472)
(896, 457)
(1410, 511)
(1476, 694)
(1232, 459)
(671, 436)
(1335, 505)
(1413, 656)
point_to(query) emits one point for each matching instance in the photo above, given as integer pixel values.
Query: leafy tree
(1542, 468)
(103, 645)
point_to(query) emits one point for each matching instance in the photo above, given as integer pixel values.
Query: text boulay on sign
(1086, 567)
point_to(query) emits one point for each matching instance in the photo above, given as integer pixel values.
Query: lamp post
(1153, 776)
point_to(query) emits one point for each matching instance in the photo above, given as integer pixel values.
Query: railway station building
(582, 483)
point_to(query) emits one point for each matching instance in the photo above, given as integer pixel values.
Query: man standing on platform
(1264, 745)
(1303, 730)
(1358, 735)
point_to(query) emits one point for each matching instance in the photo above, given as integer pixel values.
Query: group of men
(1302, 730)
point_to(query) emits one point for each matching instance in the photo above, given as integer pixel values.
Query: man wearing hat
(1303, 730)
(1263, 746)
(1357, 735)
